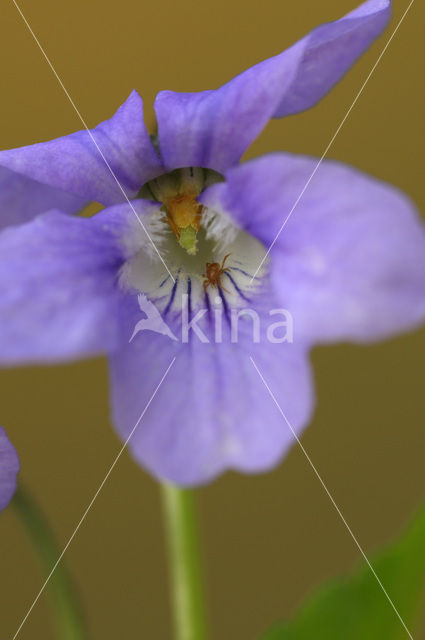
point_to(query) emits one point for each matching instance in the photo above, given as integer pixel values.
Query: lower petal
(212, 411)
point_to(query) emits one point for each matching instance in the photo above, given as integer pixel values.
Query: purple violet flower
(9, 468)
(349, 264)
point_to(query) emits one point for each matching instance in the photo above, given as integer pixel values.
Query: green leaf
(356, 608)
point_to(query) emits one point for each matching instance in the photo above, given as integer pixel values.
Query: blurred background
(268, 540)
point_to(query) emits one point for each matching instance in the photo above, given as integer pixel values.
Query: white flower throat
(211, 259)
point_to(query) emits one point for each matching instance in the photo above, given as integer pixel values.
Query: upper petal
(330, 51)
(350, 262)
(212, 412)
(58, 285)
(74, 163)
(9, 468)
(21, 199)
(212, 129)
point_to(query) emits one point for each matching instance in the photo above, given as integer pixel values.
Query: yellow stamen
(184, 215)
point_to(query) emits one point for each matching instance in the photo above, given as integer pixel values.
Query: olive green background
(268, 540)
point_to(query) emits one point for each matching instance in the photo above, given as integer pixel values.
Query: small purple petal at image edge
(9, 469)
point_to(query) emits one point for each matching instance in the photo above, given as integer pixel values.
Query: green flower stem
(68, 618)
(184, 558)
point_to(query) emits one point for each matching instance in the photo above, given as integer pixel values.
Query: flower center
(177, 191)
(211, 259)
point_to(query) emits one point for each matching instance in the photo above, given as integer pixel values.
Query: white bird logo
(153, 321)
